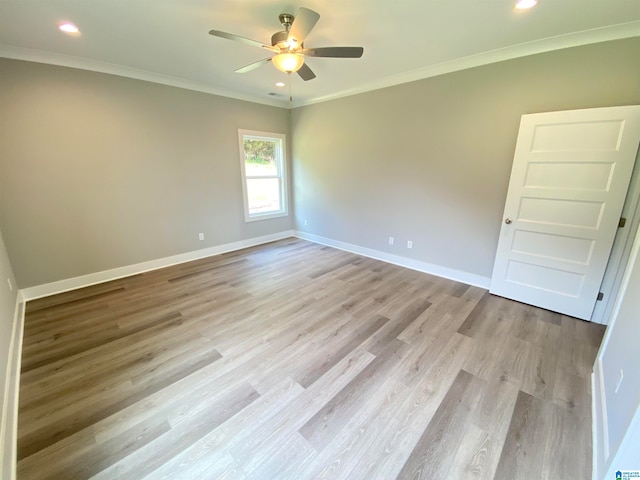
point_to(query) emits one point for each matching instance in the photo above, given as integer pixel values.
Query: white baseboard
(599, 420)
(594, 429)
(9, 413)
(68, 284)
(437, 270)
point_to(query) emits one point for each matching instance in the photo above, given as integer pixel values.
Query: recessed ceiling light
(280, 84)
(68, 27)
(526, 4)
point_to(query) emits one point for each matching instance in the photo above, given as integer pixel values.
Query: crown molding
(585, 37)
(51, 58)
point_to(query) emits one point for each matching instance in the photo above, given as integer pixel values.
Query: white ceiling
(167, 41)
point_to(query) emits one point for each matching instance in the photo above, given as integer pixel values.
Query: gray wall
(7, 310)
(429, 161)
(100, 171)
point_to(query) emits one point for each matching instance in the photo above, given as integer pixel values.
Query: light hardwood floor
(297, 361)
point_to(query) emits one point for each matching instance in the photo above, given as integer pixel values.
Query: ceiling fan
(288, 45)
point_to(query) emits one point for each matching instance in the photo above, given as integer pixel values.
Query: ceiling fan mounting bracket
(286, 19)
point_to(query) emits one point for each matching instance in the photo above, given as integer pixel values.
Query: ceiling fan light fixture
(288, 62)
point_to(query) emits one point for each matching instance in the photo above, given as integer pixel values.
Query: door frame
(621, 250)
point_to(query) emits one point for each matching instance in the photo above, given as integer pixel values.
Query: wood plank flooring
(297, 361)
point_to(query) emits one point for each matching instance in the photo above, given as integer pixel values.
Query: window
(264, 182)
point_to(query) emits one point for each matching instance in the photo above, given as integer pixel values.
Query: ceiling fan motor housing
(279, 39)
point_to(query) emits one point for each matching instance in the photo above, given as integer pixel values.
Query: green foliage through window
(260, 152)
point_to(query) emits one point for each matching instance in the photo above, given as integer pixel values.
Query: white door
(570, 175)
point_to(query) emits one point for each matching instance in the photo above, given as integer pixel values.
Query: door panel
(569, 179)
(556, 247)
(580, 175)
(585, 136)
(560, 211)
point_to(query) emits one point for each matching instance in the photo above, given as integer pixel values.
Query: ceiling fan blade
(304, 22)
(306, 73)
(238, 38)
(253, 66)
(334, 52)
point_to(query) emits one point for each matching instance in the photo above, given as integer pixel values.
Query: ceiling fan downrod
(286, 19)
(280, 39)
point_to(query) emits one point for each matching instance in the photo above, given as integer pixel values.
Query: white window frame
(281, 161)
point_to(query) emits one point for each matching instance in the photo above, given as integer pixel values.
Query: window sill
(266, 216)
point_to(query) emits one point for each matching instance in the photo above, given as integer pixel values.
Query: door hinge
(600, 296)
(622, 222)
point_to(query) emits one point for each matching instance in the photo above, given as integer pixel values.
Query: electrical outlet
(306, 222)
(201, 236)
(391, 240)
(10, 284)
(409, 244)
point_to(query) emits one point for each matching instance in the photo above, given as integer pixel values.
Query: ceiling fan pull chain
(290, 94)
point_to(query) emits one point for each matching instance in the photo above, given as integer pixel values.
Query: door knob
(507, 221)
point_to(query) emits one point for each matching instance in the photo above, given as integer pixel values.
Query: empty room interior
(322, 240)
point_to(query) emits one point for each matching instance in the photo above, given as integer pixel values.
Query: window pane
(264, 195)
(260, 157)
